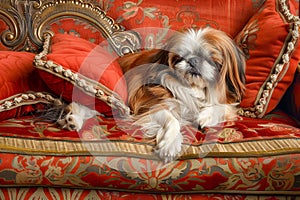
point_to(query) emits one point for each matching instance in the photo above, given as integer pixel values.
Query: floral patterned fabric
(154, 20)
(70, 194)
(245, 155)
(110, 159)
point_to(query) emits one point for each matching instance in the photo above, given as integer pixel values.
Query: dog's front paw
(170, 144)
(211, 116)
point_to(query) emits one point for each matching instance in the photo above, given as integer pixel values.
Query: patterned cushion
(81, 71)
(248, 156)
(245, 155)
(269, 41)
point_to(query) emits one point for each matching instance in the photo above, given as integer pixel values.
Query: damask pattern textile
(245, 155)
(110, 159)
(155, 20)
(72, 194)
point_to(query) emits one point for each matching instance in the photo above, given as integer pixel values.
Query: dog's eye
(177, 59)
(70, 119)
(72, 126)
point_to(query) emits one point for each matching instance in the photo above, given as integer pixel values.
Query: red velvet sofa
(66, 50)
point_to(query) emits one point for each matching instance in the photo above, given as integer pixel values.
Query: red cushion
(264, 41)
(17, 75)
(90, 61)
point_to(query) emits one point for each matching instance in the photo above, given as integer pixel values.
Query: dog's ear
(232, 62)
(161, 57)
(132, 60)
(235, 77)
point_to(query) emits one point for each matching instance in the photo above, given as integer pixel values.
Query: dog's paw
(169, 146)
(211, 116)
(168, 151)
(166, 129)
(204, 121)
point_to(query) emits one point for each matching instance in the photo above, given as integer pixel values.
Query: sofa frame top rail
(29, 20)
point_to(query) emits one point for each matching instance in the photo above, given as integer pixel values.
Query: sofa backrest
(155, 18)
(22, 22)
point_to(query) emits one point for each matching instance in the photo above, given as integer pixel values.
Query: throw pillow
(269, 41)
(17, 76)
(84, 72)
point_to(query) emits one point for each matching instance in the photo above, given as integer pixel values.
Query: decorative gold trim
(29, 20)
(265, 95)
(88, 86)
(28, 98)
(260, 148)
(65, 190)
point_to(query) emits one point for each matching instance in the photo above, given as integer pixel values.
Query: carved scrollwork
(125, 42)
(12, 14)
(29, 20)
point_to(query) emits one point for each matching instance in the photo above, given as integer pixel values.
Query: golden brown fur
(197, 78)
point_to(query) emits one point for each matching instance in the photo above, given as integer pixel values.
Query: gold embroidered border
(28, 98)
(281, 64)
(66, 190)
(145, 150)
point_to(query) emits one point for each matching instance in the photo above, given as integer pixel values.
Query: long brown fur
(145, 98)
(184, 83)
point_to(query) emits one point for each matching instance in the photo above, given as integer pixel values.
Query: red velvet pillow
(17, 76)
(88, 67)
(269, 41)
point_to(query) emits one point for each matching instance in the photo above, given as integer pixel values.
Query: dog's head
(207, 58)
(74, 115)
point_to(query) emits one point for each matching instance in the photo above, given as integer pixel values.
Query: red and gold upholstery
(256, 156)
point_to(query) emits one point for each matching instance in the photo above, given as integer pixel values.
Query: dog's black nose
(195, 61)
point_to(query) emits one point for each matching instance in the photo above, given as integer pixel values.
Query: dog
(73, 116)
(70, 116)
(197, 78)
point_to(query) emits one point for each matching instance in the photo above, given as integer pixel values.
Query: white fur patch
(166, 128)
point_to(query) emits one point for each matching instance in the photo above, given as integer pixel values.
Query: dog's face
(191, 59)
(75, 116)
(208, 58)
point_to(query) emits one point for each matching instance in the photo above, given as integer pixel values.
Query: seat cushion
(253, 155)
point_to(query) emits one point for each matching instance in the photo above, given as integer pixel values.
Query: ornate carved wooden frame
(29, 20)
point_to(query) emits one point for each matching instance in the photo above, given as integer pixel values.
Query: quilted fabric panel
(16, 77)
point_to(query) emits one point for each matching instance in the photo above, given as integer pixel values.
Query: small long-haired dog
(197, 78)
(68, 116)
